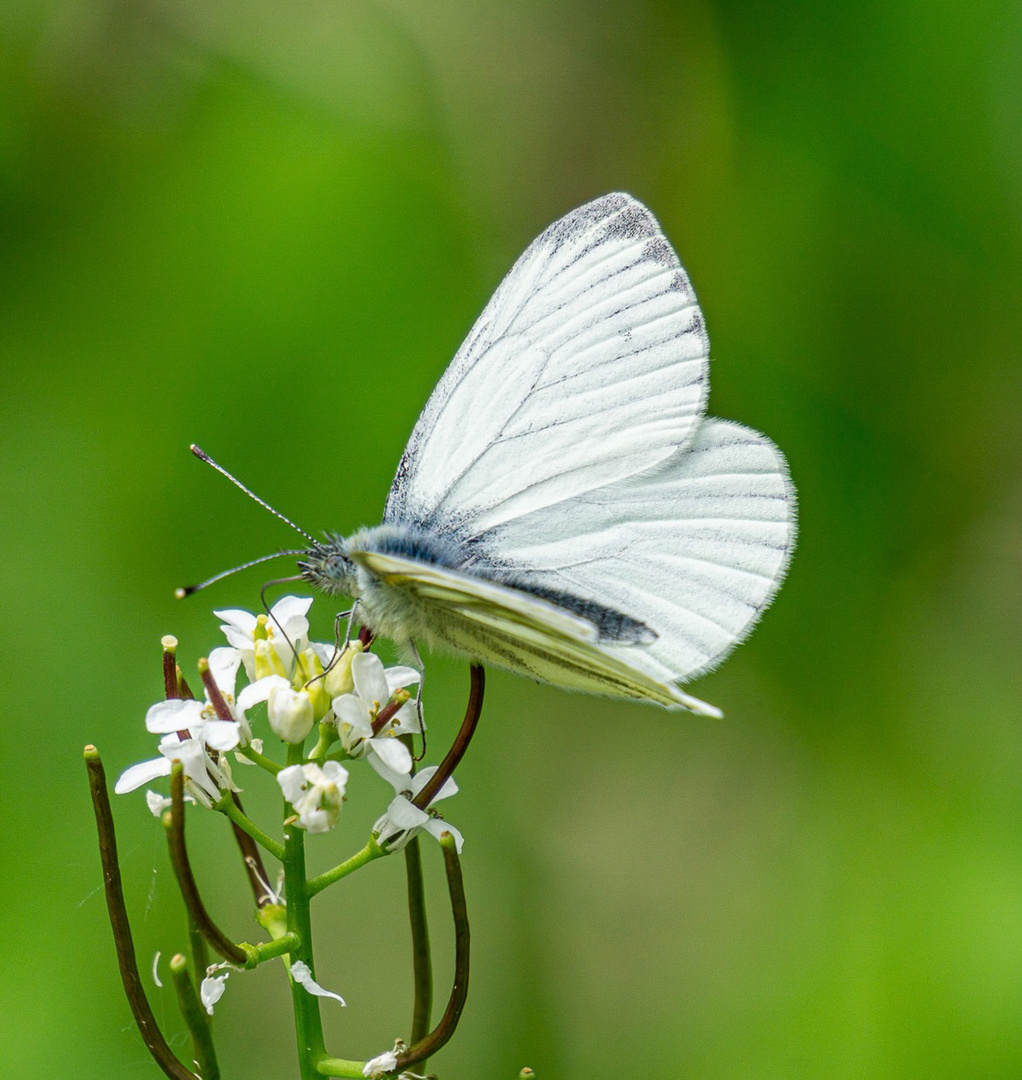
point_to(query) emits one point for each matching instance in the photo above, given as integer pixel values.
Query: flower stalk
(195, 1018)
(174, 824)
(362, 712)
(130, 978)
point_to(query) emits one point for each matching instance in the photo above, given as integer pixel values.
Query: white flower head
(403, 818)
(264, 642)
(204, 777)
(374, 689)
(315, 793)
(380, 1065)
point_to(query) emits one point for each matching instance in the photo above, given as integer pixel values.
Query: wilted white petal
(393, 753)
(137, 775)
(380, 1065)
(370, 680)
(157, 803)
(156, 969)
(303, 976)
(175, 714)
(211, 990)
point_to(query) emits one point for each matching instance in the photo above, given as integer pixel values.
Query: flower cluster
(362, 710)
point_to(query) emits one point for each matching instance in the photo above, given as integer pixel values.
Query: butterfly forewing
(588, 365)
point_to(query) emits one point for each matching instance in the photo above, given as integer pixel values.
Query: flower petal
(419, 782)
(393, 753)
(223, 666)
(436, 827)
(370, 680)
(352, 710)
(303, 976)
(137, 775)
(259, 691)
(399, 677)
(292, 782)
(381, 1064)
(221, 734)
(244, 621)
(175, 714)
(212, 990)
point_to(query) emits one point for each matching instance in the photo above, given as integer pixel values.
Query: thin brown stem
(440, 1035)
(461, 741)
(132, 982)
(422, 967)
(174, 823)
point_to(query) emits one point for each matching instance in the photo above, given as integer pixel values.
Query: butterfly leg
(421, 668)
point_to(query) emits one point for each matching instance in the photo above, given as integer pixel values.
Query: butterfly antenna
(203, 456)
(190, 589)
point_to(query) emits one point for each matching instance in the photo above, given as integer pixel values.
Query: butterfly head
(327, 566)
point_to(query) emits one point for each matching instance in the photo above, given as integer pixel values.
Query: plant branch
(132, 982)
(422, 968)
(196, 1019)
(229, 808)
(174, 824)
(461, 741)
(439, 1036)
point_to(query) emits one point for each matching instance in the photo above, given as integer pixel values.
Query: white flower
(204, 778)
(211, 990)
(381, 1064)
(192, 731)
(302, 974)
(264, 642)
(374, 687)
(316, 794)
(403, 819)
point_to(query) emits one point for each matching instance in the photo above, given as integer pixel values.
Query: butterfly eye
(337, 567)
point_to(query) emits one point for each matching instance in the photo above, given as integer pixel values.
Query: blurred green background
(265, 228)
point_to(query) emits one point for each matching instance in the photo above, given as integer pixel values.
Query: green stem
(260, 759)
(269, 950)
(308, 1022)
(371, 851)
(422, 968)
(227, 807)
(440, 1035)
(196, 1019)
(197, 943)
(329, 1066)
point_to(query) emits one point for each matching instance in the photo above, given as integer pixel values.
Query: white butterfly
(563, 507)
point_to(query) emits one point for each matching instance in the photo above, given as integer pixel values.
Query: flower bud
(338, 679)
(290, 713)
